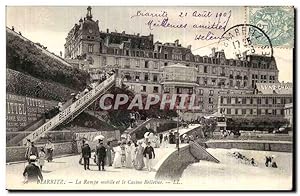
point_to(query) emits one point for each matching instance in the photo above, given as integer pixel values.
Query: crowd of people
(36, 159)
(269, 162)
(127, 154)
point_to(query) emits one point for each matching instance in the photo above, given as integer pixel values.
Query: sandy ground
(234, 174)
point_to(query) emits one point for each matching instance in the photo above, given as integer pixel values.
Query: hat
(32, 158)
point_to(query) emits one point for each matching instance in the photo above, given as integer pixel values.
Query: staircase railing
(73, 110)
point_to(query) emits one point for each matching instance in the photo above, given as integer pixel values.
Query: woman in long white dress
(117, 159)
(128, 151)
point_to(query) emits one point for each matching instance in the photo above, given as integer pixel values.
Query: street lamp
(177, 133)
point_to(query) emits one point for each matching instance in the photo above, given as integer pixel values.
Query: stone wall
(173, 165)
(17, 153)
(252, 145)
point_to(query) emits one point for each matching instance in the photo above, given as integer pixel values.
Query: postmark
(240, 41)
(276, 22)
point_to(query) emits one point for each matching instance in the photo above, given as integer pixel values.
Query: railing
(71, 111)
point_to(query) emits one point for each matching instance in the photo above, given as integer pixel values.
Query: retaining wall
(279, 146)
(17, 153)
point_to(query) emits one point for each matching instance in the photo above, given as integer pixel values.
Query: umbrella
(124, 135)
(281, 129)
(99, 137)
(146, 134)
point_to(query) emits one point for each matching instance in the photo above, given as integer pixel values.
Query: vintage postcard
(150, 98)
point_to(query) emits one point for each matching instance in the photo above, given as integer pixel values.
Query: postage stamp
(277, 22)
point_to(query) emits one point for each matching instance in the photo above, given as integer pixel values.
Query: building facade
(270, 100)
(288, 113)
(155, 67)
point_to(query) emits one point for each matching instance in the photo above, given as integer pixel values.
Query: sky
(50, 26)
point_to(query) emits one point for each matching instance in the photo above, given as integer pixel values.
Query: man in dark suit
(101, 154)
(86, 155)
(149, 155)
(32, 172)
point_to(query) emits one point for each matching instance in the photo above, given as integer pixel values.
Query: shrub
(25, 57)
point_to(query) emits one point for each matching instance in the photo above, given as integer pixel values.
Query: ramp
(200, 153)
(73, 110)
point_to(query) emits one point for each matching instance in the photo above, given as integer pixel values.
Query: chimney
(97, 21)
(189, 47)
(138, 34)
(123, 32)
(107, 30)
(176, 42)
(213, 52)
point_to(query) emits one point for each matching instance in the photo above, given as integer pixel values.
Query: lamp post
(177, 133)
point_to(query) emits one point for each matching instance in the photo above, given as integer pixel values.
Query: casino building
(156, 67)
(273, 100)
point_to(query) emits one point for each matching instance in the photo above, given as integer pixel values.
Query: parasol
(146, 134)
(99, 137)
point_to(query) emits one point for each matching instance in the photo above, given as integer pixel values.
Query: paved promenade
(67, 173)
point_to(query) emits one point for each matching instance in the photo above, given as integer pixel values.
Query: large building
(272, 100)
(155, 67)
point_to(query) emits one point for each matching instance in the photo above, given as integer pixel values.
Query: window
(210, 100)
(201, 99)
(117, 61)
(259, 100)
(137, 63)
(213, 81)
(243, 100)
(205, 69)
(90, 48)
(187, 57)
(127, 52)
(127, 76)
(166, 55)
(155, 89)
(137, 78)
(146, 64)
(155, 55)
(258, 111)
(146, 77)
(154, 78)
(278, 101)
(166, 64)
(155, 65)
(228, 110)
(214, 70)
(167, 90)
(132, 87)
(201, 91)
(211, 92)
(144, 88)
(116, 51)
(243, 111)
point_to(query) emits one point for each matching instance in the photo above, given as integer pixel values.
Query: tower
(89, 15)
